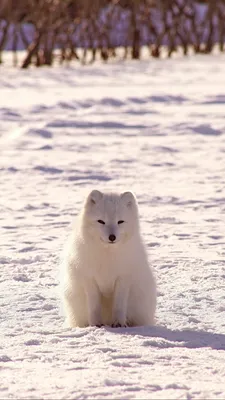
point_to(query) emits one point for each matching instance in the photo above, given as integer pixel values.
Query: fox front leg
(93, 304)
(120, 298)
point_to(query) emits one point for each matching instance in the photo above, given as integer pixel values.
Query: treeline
(86, 29)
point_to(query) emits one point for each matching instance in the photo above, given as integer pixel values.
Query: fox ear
(94, 197)
(128, 198)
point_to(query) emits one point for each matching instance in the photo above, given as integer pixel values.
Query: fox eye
(101, 222)
(120, 222)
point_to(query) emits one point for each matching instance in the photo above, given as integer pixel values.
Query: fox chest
(105, 276)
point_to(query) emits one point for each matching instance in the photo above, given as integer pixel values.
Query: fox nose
(112, 238)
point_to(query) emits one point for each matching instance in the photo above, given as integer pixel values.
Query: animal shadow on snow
(162, 337)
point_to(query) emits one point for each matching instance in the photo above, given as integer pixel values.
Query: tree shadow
(162, 337)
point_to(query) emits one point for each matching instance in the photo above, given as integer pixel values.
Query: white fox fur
(106, 279)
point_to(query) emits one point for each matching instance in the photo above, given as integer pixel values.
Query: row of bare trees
(84, 29)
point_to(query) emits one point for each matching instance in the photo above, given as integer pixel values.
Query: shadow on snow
(164, 337)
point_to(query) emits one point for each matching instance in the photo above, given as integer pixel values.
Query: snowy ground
(156, 127)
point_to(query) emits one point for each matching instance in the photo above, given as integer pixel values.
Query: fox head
(110, 218)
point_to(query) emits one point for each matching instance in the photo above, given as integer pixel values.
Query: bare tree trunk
(49, 44)
(32, 50)
(14, 45)
(4, 38)
(126, 51)
(209, 18)
(136, 45)
(84, 57)
(171, 45)
(135, 52)
(209, 41)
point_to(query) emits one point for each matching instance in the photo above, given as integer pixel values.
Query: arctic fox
(106, 278)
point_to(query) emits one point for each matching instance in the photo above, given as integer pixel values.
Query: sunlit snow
(155, 127)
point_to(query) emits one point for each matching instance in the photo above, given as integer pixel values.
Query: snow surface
(156, 127)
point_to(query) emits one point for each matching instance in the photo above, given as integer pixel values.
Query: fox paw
(118, 325)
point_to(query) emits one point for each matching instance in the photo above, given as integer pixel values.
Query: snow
(156, 127)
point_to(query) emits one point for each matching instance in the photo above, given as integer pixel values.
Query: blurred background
(51, 31)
